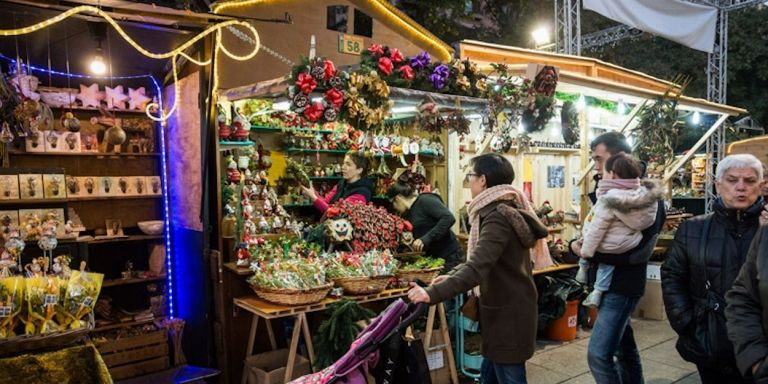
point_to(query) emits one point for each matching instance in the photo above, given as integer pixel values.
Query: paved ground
(567, 362)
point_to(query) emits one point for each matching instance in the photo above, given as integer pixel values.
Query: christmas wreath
(389, 63)
(367, 100)
(313, 76)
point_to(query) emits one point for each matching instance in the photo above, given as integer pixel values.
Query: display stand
(428, 347)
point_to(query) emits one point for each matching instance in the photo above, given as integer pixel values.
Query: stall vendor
(354, 186)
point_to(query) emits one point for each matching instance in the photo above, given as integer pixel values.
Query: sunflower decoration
(317, 77)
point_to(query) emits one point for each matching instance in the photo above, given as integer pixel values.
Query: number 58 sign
(350, 44)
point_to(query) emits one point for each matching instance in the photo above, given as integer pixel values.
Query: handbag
(711, 330)
(471, 307)
(402, 362)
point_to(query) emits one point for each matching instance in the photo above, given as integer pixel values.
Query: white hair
(741, 160)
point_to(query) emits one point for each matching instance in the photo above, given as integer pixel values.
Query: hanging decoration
(659, 128)
(569, 121)
(172, 55)
(116, 97)
(318, 76)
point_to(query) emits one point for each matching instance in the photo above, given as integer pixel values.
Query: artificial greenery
(335, 335)
(569, 121)
(424, 263)
(659, 127)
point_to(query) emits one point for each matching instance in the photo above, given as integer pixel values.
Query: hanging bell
(6, 136)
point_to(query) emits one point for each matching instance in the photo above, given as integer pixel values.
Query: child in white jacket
(625, 206)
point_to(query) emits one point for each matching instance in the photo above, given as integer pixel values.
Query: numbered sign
(351, 45)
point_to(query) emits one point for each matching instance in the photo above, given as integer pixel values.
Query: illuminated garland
(179, 51)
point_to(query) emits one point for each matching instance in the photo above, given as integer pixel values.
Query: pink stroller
(385, 330)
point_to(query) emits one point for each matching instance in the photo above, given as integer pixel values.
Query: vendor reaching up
(354, 186)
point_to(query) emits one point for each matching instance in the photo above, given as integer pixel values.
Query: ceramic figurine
(224, 131)
(68, 227)
(33, 269)
(339, 232)
(277, 223)
(243, 257)
(241, 126)
(233, 174)
(243, 161)
(229, 222)
(263, 225)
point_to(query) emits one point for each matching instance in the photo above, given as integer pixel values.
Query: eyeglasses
(468, 175)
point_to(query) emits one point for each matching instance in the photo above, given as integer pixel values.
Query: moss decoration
(81, 364)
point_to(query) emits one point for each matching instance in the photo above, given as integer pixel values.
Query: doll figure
(263, 225)
(32, 226)
(224, 130)
(233, 174)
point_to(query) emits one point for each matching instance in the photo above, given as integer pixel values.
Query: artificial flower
(306, 83)
(421, 61)
(377, 49)
(385, 65)
(407, 72)
(314, 111)
(328, 69)
(396, 56)
(354, 107)
(334, 97)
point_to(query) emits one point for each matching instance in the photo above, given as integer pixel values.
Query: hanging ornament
(116, 98)
(137, 98)
(69, 122)
(6, 136)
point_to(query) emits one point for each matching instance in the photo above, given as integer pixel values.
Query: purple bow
(439, 76)
(421, 61)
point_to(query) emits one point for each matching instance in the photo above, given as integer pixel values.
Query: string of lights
(173, 54)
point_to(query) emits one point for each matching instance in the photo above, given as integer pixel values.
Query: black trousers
(728, 375)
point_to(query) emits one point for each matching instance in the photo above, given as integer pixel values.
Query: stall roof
(388, 13)
(587, 75)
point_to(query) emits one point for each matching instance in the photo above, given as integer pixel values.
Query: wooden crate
(135, 356)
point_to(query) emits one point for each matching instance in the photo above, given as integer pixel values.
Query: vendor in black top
(432, 222)
(354, 187)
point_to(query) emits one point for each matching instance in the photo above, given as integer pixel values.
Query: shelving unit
(127, 324)
(108, 256)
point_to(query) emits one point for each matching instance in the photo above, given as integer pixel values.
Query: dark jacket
(363, 187)
(747, 310)
(501, 266)
(683, 274)
(432, 222)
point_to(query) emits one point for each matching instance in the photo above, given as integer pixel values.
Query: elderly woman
(504, 228)
(702, 264)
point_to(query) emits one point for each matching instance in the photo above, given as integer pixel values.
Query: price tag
(415, 148)
(5, 311)
(351, 45)
(50, 299)
(88, 301)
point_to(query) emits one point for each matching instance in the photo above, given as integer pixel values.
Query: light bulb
(97, 65)
(621, 108)
(696, 117)
(581, 103)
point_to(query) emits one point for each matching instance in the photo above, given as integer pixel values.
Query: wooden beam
(675, 166)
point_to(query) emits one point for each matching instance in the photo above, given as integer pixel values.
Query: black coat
(683, 273)
(747, 311)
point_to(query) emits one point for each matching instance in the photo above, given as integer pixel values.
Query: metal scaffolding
(568, 27)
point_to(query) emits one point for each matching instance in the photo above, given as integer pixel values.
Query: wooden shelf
(239, 271)
(92, 109)
(137, 280)
(87, 154)
(126, 324)
(126, 239)
(344, 152)
(75, 199)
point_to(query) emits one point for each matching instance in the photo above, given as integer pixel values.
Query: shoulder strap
(703, 249)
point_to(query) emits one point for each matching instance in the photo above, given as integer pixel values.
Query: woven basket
(49, 341)
(286, 296)
(363, 285)
(425, 275)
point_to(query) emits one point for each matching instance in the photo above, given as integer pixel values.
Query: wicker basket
(425, 275)
(53, 340)
(285, 296)
(363, 285)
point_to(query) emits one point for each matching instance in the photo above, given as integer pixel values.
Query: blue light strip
(166, 214)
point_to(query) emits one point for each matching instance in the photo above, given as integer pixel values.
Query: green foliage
(335, 335)
(659, 128)
(424, 263)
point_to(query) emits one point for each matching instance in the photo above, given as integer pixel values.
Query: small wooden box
(137, 355)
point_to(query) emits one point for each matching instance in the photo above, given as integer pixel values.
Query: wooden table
(263, 309)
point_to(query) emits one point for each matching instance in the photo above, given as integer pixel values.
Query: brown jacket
(501, 266)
